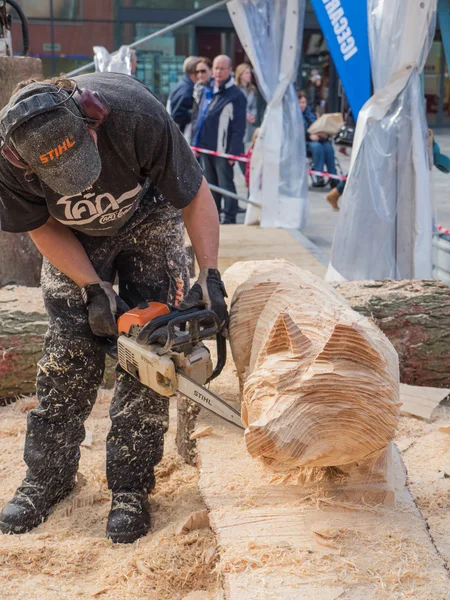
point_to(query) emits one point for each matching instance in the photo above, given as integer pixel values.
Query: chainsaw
(163, 349)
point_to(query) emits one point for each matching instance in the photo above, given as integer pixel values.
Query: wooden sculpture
(320, 383)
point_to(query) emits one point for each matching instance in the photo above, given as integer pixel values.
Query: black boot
(129, 517)
(31, 505)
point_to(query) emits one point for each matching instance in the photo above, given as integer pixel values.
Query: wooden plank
(239, 242)
(277, 543)
(421, 401)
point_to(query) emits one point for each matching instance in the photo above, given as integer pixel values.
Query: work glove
(208, 292)
(104, 306)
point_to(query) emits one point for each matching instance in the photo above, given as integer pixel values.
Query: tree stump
(20, 261)
(415, 316)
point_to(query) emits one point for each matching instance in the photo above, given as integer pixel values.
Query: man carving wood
(100, 176)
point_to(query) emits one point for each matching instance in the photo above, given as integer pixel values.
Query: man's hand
(208, 292)
(314, 138)
(231, 163)
(104, 306)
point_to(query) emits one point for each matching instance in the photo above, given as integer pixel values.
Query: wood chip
(99, 592)
(197, 520)
(445, 429)
(88, 439)
(420, 401)
(201, 432)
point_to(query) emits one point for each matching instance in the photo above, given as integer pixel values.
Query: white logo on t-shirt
(103, 207)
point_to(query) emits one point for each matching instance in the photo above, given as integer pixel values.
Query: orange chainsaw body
(138, 317)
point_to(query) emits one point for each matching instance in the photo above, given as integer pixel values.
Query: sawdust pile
(69, 556)
(403, 579)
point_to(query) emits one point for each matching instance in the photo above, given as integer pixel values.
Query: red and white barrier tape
(220, 154)
(328, 175)
(442, 230)
(245, 160)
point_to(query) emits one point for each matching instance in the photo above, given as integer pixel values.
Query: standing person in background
(181, 99)
(243, 77)
(203, 71)
(220, 126)
(204, 84)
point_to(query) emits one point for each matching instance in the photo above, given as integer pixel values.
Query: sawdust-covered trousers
(149, 258)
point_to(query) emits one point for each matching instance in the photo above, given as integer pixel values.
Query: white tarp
(384, 230)
(119, 62)
(271, 34)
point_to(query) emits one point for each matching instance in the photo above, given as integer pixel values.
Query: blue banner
(444, 24)
(344, 25)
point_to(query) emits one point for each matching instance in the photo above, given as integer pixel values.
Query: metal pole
(156, 34)
(52, 38)
(214, 188)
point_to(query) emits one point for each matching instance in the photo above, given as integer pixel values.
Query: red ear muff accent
(13, 157)
(93, 106)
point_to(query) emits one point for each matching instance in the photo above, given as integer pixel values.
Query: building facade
(63, 33)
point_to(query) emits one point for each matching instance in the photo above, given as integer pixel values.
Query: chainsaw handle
(192, 316)
(196, 334)
(221, 356)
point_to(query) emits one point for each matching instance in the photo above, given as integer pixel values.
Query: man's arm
(202, 224)
(60, 246)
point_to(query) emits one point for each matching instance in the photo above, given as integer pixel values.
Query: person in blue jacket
(181, 99)
(219, 125)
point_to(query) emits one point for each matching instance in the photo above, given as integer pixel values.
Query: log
(415, 316)
(320, 385)
(23, 323)
(20, 261)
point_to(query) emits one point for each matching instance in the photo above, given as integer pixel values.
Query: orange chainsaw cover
(141, 316)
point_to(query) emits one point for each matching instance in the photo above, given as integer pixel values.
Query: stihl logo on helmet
(58, 151)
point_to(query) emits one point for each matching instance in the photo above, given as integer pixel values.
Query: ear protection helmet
(92, 105)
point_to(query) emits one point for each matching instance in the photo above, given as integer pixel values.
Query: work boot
(31, 505)
(129, 517)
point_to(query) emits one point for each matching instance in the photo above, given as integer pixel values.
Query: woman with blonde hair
(243, 79)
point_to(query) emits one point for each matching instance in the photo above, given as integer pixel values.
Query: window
(62, 9)
(160, 61)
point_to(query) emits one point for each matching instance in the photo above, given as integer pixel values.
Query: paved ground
(323, 219)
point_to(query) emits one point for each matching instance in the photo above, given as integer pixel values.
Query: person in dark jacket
(319, 146)
(220, 126)
(181, 99)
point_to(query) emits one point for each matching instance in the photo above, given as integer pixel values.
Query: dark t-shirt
(140, 147)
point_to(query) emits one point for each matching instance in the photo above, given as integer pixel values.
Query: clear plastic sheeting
(271, 34)
(384, 230)
(119, 62)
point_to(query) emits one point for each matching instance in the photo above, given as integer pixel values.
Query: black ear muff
(93, 106)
